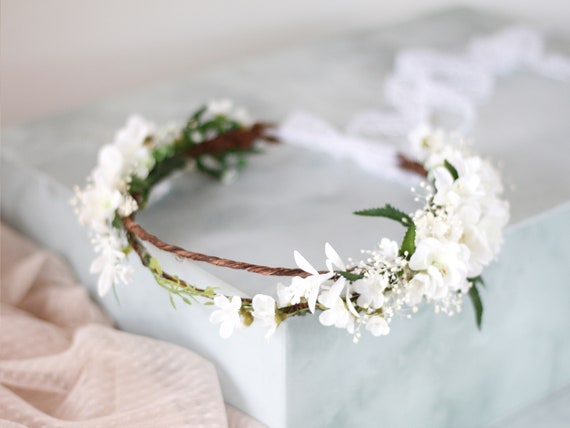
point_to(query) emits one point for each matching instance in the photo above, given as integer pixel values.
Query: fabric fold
(62, 365)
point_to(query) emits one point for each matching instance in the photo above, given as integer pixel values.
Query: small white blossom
(130, 141)
(475, 238)
(371, 290)
(264, 312)
(454, 193)
(416, 288)
(333, 259)
(128, 206)
(222, 107)
(293, 293)
(311, 283)
(424, 142)
(337, 313)
(111, 272)
(227, 108)
(97, 206)
(228, 314)
(389, 249)
(378, 326)
(109, 167)
(110, 262)
(437, 225)
(444, 262)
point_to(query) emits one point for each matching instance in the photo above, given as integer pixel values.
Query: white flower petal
(217, 317)
(312, 298)
(377, 326)
(333, 256)
(221, 301)
(328, 317)
(350, 305)
(226, 329)
(303, 264)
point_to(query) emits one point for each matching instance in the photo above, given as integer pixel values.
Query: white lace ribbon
(425, 83)
(308, 131)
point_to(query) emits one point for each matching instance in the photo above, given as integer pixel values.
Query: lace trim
(426, 82)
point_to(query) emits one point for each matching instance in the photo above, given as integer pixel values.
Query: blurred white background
(58, 54)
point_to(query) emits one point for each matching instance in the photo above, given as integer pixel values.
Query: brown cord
(142, 234)
(241, 139)
(409, 165)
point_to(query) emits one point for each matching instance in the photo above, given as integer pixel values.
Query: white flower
(329, 295)
(128, 206)
(378, 326)
(221, 107)
(439, 226)
(371, 290)
(291, 294)
(133, 134)
(389, 249)
(475, 238)
(228, 314)
(109, 167)
(227, 108)
(264, 312)
(97, 206)
(130, 141)
(417, 288)
(425, 141)
(112, 272)
(444, 262)
(337, 313)
(333, 259)
(110, 262)
(309, 285)
(452, 192)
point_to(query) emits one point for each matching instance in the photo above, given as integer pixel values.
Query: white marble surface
(432, 371)
(550, 412)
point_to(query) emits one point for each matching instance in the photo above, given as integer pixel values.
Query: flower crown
(446, 244)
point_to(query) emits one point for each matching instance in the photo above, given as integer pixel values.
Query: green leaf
(477, 304)
(117, 223)
(351, 276)
(216, 173)
(196, 116)
(209, 292)
(409, 242)
(388, 211)
(154, 266)
(451, 169)
(477, 280)
(172, 301)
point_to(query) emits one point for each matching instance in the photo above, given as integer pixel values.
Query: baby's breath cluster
(448, 240)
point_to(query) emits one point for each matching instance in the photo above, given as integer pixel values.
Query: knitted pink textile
(63, 365)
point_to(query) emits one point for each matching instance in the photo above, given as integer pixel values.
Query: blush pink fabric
(63, 365)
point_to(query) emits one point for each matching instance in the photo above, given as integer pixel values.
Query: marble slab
(432, 370)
